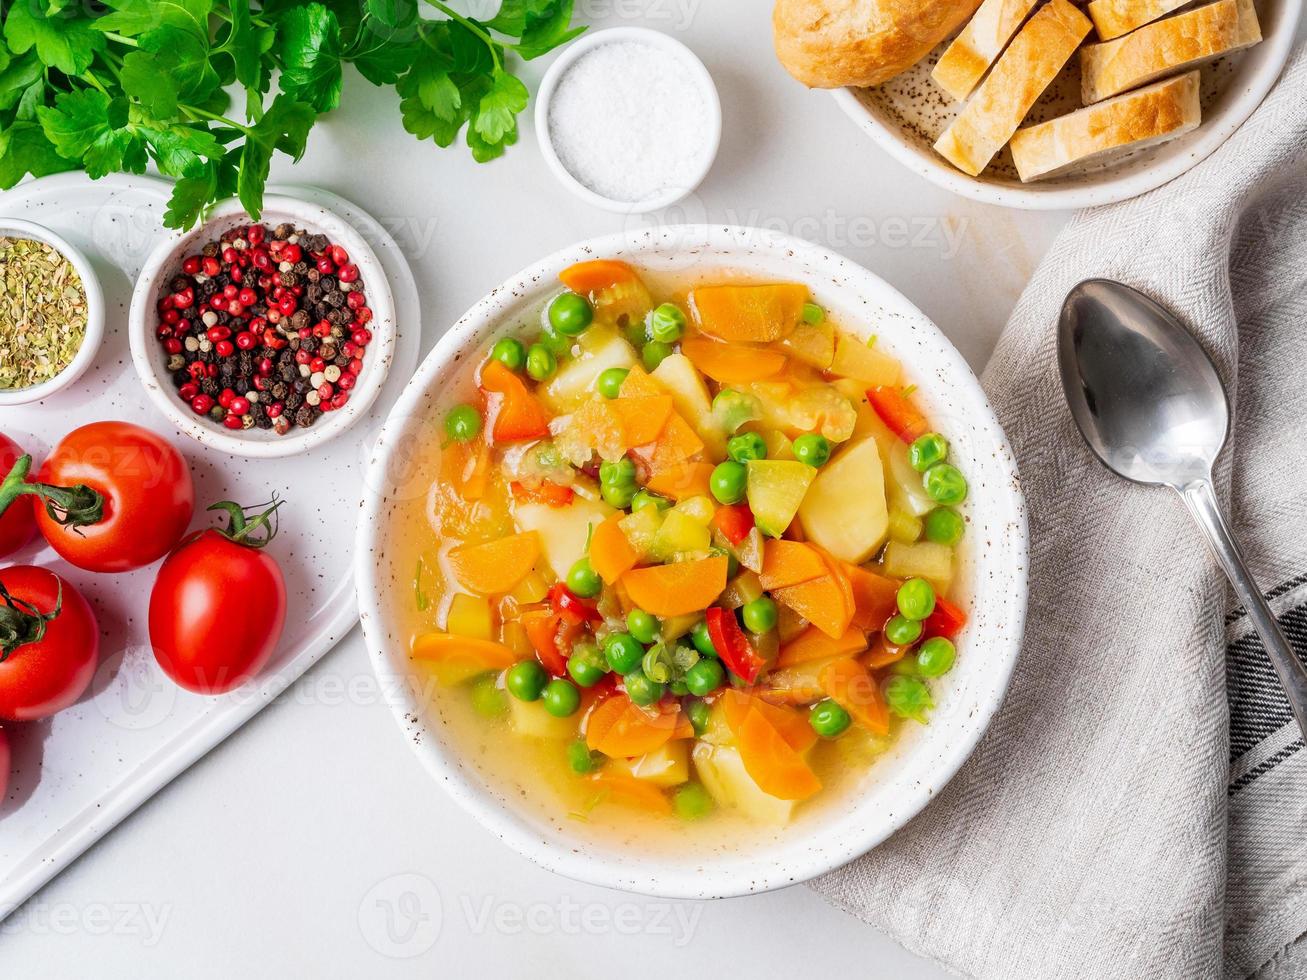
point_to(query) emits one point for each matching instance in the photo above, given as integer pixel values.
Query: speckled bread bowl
(992, 577)
(150, 359)
(905, 115)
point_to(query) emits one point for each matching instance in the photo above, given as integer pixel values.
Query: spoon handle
(1200, 498)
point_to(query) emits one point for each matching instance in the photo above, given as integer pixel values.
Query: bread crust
(1030, 63)
(967, 59)
(1145, 117)
(1113, 18)
(1166, 47)
(833, 43)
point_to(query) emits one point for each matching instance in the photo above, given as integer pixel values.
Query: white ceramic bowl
(640, 35)
(1232, 89)
(16, 228)
(150, 359)
(992, 574)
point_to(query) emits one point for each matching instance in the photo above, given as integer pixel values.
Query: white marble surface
(311, 843)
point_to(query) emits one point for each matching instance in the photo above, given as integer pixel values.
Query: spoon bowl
(1143, 391)
(1151, 406)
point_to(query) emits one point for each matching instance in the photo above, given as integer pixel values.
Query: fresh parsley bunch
(107, 86)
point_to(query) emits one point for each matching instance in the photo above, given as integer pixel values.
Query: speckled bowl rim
(1257, 71)
(148, 356)
(989, 648)
(94, 335)
(616, 35)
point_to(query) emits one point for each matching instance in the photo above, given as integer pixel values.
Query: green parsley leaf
(87, 125)
(24, 149)
(285, 127)
(63, 40)
(310, 56)
(132, 18)
(496, 117)
(177, 150)
(20, 75)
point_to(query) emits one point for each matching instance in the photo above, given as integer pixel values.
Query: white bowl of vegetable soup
(697, 558)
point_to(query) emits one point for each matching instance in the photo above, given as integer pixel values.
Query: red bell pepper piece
(570, 606)
(735, 521)
(732, 646)
(516, 413)
(542, 629)
(546, 493)
(897, 412)
(947, 620)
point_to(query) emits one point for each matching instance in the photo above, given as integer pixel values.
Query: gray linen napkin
(1139, 807)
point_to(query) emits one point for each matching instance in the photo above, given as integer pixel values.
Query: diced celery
(904, 527)
(776, 488)
(925, 559)
(641, 527)
(813, 343)
(679, 534)
(697, 508)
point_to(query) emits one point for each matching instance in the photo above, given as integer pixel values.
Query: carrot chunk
(516, 415)
(775, 766)
(615, 787)
(749, 314)
(611, 554)
(677, 589)
(455, 650)
(851, 686)
(897, 412)
(681, 481)
(495, 567)
(590, 277)
(812, 644)
(732, 364)
(821, 601)
(875, 597)
(620, 729)
(787, 562)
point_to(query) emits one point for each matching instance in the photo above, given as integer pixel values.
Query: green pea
(561, 698)
(581, 759)
(935, 657)
(462, 423)
(583, 580)
(654, 353)
(746, 446)
(620, 471)
(828, 719)
(667, 323)
(540, 362)
(916, 598)
(555, 342)
(927, 450)
(586, 665)
(902, 631)
(644, 499)
(698, 712)
(570, 314)
(641, 690)
(509, 352)
(692, 802)
(812, 448)
(812, 313)
(525, 680)
(635, 333)
(643, 626)
(945, 484)
(678, 688)
(701, 640)
(759, 615)
(616, 495)
(729, 481)
(705, 676)
(609, 382)
(487, 699)
(945, 526)
(623, 652)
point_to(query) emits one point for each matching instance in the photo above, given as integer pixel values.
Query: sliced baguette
(1025, 69)
(1112, 18)
(962, 66)
(1166, 47)
(1100, 133)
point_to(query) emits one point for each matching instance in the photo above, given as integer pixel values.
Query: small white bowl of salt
(629, 119)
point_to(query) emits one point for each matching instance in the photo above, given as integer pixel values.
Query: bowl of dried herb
(51, 312)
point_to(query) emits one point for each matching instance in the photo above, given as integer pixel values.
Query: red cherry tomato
(218, 606)
(49, 642)
(4, 765)
(147, 489)
(17, 523)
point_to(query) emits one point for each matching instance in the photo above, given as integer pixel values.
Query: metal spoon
(1151, 406)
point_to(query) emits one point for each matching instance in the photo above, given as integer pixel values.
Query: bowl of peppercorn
(263, 338)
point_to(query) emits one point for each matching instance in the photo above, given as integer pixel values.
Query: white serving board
(77, 774)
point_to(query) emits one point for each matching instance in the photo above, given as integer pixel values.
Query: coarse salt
(630, 123)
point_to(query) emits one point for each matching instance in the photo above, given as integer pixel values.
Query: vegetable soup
(686, 553)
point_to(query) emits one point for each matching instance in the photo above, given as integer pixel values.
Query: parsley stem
(90, 79)
(203, 114)
(472, 26)
(130, 42)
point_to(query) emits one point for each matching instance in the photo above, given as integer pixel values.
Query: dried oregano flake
(42, 312)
